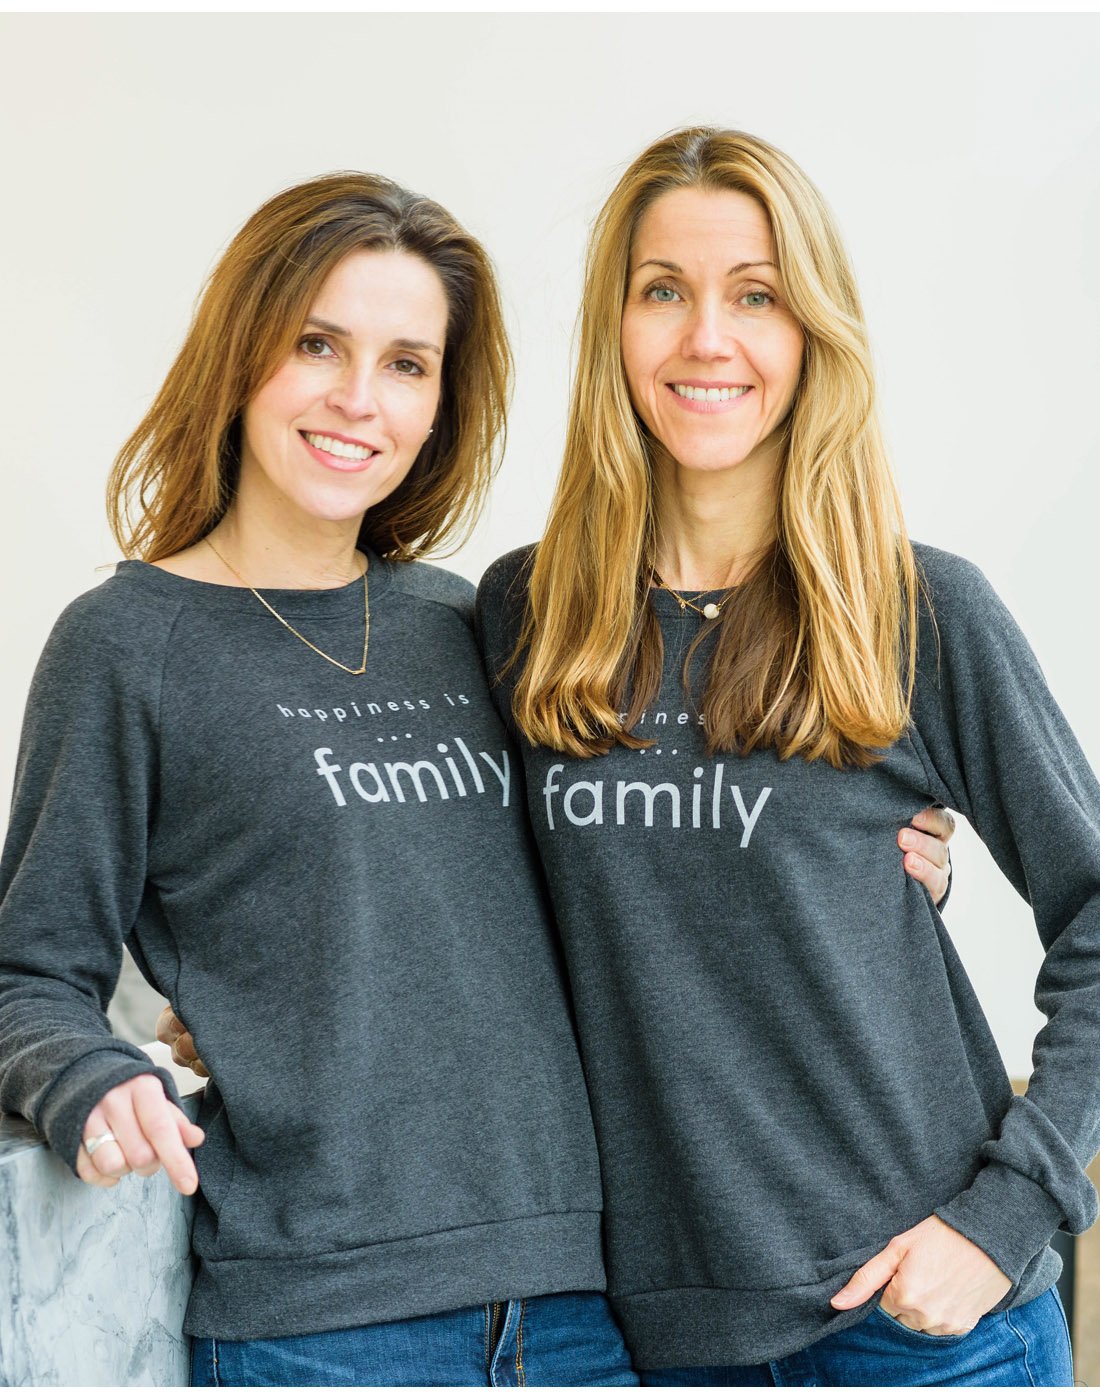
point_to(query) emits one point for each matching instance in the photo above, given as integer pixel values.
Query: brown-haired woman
(264, 756)
(733, 675)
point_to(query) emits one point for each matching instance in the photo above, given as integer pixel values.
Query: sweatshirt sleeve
(72, 874)
(1001, 750)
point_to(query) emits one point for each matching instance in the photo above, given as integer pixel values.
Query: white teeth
(351, 450)
(688, 391)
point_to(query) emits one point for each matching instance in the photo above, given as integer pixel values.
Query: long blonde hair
(175, 476)
(808, 654)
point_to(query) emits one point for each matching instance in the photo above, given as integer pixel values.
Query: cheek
(274, 405)
(413, 415)
(785, 364)
(637, 360)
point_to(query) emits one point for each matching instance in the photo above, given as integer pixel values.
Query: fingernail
(906, 839)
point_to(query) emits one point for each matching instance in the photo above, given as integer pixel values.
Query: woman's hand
(149, 1132)
(937, 1280)
(924, 842)
(171, 1031)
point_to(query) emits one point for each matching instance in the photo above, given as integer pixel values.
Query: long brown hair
(175, 476)
(808, 653)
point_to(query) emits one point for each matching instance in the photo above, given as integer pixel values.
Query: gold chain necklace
(351, 670)
(709, 610)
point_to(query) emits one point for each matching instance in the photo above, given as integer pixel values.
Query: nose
(354, 393)
(707, 333)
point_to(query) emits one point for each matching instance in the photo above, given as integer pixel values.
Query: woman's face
(711, 352)
(337, 427)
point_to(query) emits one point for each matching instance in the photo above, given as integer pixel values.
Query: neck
(713, 526)
(272, 550)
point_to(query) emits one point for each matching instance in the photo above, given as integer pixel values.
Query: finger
(197, 1067)
(183, 1052)
(169, 1026)
(108, 1159)
(928, 847)
(914, 1321)
(930, 876)
(193, 1136)
(937, 821)
(87, 1172)
(136, 1151)
(162, 1129)
(875, 1274)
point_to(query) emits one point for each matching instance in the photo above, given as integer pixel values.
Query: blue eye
(766, 299)
(662, 293)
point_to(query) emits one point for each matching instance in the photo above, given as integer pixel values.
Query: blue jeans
(559, 1339)
(1022, 1346)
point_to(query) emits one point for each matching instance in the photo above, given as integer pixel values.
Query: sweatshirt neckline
(294, 602)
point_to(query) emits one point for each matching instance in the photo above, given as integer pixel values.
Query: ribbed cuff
(1005, 1214)
(74, 1093)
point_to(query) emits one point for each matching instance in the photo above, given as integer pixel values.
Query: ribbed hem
(739, 1327)
(245, 1299)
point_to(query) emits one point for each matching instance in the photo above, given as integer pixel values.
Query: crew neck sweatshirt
(330, 879)
(787, 1063)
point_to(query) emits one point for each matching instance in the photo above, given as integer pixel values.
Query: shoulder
(948, 578)
(502, 602)
(106, 652)
(124, 616)
(433, 585)
(965, 629)
(504, 583)
(956, 596)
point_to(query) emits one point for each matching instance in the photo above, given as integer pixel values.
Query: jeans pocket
(921, 1338)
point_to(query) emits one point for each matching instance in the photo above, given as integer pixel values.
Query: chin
(337, 506)
(713, 459)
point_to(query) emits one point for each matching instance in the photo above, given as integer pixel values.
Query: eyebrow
(401, 344)
(675, 267)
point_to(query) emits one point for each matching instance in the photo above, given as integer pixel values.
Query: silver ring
(92, 1146)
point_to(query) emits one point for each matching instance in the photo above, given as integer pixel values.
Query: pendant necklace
(709, 610)
(351, 670)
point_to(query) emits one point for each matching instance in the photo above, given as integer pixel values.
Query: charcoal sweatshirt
(787, 1062)
(330, 878)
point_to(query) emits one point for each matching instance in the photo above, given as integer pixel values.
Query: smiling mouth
(699, 393)
(343, 448)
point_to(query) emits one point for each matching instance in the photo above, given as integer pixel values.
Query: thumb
(875, 1274)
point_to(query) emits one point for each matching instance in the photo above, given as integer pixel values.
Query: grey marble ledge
(93, 1283)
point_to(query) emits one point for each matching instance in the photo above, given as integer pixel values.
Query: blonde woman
(264, 756)
(733, 675)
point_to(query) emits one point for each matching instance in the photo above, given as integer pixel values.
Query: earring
(430, 431)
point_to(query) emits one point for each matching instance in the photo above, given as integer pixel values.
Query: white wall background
(961, 154)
